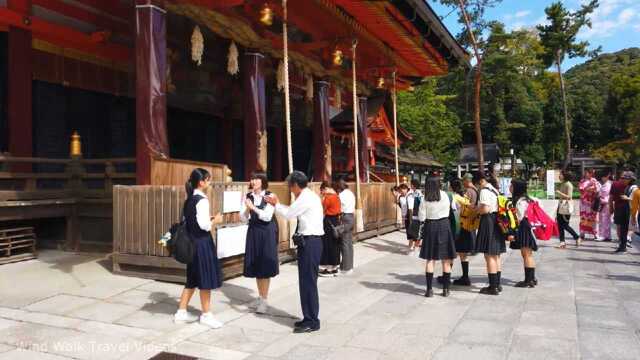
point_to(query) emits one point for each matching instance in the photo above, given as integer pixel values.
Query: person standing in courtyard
(348, 208)
(524, 240)
(203, 272)
(307, 208)
(621, 207)
(469, 222)
(490, 240)
(604, 216)
(330, 243)
(437, 238)
(589, 197)
(261, 250)
(565, 208)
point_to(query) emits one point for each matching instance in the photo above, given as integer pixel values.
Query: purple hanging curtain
(363, 139)
(322, 132)
(151, 100)
(255, 115)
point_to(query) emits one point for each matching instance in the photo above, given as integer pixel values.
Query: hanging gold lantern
(337, 57)
(380, 83)
(266, 15)
(76, 145)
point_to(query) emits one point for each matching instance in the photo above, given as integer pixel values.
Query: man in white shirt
(348, 206)
(307, 208)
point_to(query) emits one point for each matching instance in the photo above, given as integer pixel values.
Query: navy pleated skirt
(524, 237)
(437, 240)
(490, 240)
(261, 251)
(204, 272)
(466, 241)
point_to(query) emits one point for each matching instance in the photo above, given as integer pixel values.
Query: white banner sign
(231, 240)
(551, 183)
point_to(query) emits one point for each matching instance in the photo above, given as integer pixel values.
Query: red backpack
(543, 226)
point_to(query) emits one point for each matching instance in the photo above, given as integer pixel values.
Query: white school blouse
(434, 210)
(308, 209)
(265, 214)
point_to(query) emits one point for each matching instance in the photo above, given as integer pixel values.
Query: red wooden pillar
(151, 101)
(20, 77)
(255, 115)
(322, 133)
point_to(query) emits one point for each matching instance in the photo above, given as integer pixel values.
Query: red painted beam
(213, 4)
(113, 8)
(66, 9)
(21, 6)
(65, 36)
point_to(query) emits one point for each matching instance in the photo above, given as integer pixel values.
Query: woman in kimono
(589, 192)
(604, 216)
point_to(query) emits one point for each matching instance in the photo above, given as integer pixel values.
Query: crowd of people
(465, 219)
(475, 201)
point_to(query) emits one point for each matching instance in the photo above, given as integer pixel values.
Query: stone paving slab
(585, 307)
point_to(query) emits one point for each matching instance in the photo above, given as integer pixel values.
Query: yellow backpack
(469, 217)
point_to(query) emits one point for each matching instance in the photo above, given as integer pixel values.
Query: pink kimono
(589, 190)
(604, 217)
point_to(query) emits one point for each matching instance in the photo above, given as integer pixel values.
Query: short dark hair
(403, 186)
(299, 178)
(494, 182)
(432, 189)
(415, 183)
(478, 176)
(325, 184)
(567, 175)
(263, 179)
(519, 189)
(456, 186)
(340, 185)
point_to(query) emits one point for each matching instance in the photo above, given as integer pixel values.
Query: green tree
(623, 109)
(434, 127)
(471, 13)
(559, 40)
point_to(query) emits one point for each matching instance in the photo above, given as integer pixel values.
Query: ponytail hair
(197, 175)
(519, 190)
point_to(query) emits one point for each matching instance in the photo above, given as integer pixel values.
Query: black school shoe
(525, 284)
(463, 281)
(489, 291)
(306, 329)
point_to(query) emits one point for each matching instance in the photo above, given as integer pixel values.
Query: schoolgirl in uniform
(204, 271)
(490, 240)
(524, 240)
(261, 249)
(437, 238)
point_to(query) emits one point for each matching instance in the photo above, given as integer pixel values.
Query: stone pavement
(586, 306)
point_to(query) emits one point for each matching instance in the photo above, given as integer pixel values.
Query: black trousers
(621, 219)
(563, 224)
(308, 262)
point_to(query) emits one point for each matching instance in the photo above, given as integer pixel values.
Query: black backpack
(181, 247)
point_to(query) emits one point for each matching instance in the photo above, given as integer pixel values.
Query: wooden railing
(141, 214)
(62, 178)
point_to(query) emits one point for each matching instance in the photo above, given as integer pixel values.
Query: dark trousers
(621, 218)
(308, 262)
(346, 244)
(563, 224)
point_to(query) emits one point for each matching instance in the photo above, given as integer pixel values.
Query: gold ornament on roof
(338, 57)
(266, 15)
(380, 83)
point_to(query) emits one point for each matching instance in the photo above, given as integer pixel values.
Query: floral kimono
(604, 218)
(589, 191)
